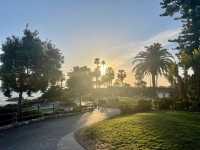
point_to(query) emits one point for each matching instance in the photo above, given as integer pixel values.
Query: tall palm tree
(103, 62)
(111, 75)
(97, 61)
(153, 61)
(97, 72)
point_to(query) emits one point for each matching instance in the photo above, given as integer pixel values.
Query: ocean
(4, 102)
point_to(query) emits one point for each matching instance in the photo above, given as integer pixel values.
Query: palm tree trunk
(153, 80)
(153, 76)
(96, 82)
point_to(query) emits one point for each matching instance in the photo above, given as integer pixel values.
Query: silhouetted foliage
(28, 64)
(80, 81)
(121, 75)
(188, 11)
(154, 61)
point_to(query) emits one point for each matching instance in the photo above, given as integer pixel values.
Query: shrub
(164, 104)
(143, 105)
(128, 107)
(181, 105)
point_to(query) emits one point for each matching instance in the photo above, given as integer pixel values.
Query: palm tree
(153, 61)
(103, 62)
(97, 61)
(111, 75)
(121, 76)
(97, 72)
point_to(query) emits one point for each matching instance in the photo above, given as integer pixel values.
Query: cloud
(127, 51)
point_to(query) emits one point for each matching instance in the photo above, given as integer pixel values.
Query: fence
(36, 111)
(28, 113)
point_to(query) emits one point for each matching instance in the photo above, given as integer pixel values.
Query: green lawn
(144, 131)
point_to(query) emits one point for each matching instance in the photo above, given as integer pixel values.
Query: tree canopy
(28, 64)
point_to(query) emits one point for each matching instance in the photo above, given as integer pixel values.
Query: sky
(112, 30)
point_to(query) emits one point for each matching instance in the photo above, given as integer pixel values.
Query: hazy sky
(113, 30)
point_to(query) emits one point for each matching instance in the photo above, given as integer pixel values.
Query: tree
(28, 65)
(153, 61)
(103, 63)
(139, 81)
(110, 75)
(80, 81)
(105, 80)
(57, 93)
(121, 75)
(117, 83)
(188, 11)
(176, 81)
(97, 72)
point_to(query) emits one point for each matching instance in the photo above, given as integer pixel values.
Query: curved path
(47, 134)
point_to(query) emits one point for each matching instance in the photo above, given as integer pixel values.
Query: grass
(144, 131)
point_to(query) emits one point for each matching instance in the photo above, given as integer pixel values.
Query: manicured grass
(144, 131)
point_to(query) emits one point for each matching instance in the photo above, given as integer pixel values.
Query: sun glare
(103, 69)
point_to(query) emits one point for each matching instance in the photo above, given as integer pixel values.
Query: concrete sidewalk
(69, 143)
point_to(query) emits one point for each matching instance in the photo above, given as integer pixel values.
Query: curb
(69, 141)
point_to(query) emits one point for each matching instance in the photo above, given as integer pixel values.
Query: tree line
(29, 64)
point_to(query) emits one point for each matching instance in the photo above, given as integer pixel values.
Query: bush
(128, 107)
(195, 106)
(144, 105)
(182, 105)
(164, 104)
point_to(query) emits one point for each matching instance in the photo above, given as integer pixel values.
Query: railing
(36, 111)
(28, 113)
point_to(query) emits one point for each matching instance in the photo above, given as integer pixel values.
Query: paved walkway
(69, 143)
(51, 134)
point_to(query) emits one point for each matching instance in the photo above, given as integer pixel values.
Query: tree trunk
(153, 76)
(153, 80)
(80, 102)
(96, 82)
(20, 106)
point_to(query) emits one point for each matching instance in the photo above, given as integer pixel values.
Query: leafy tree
(54, 93)
(153, 61)
(176, 81)
(121, 75)
(80, 81)
(57, 93)
(28, 65)
(188, 11)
